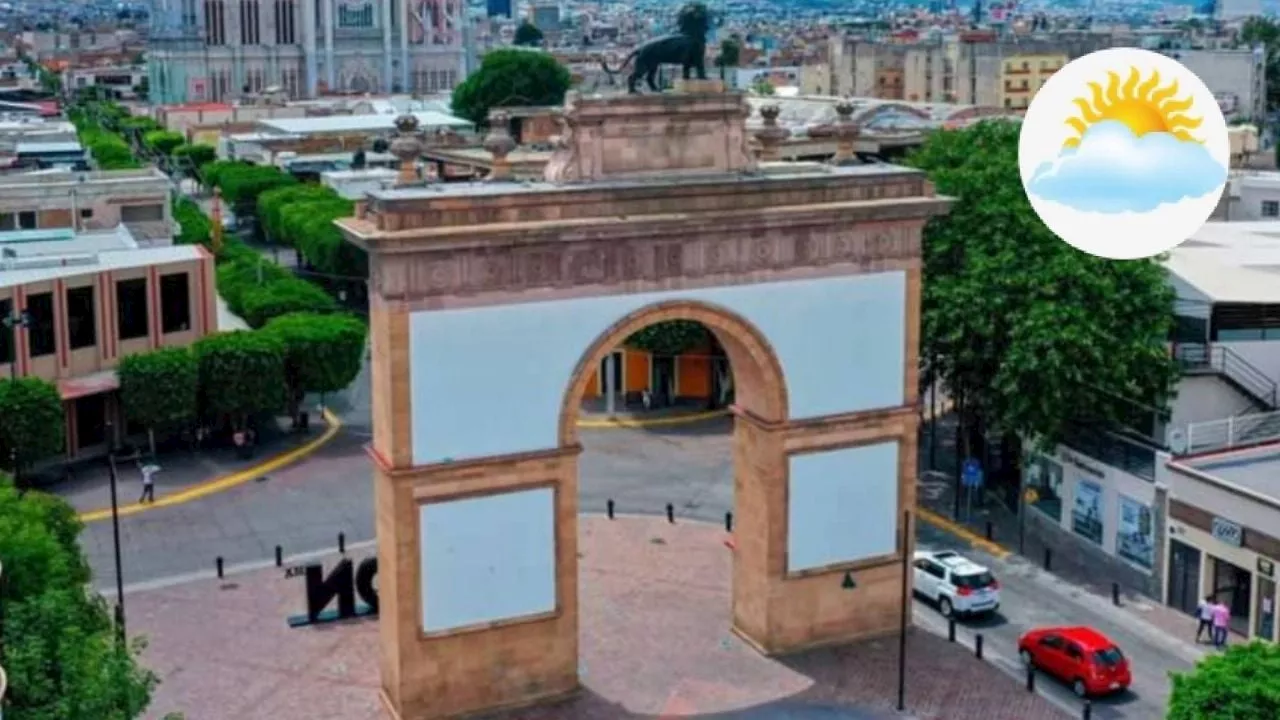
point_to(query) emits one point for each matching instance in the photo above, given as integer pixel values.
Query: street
(303, 508)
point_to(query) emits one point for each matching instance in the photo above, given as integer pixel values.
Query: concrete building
(1022, 76)
(89, 299)
(85, 201)
(1236, 77)
(218, 50)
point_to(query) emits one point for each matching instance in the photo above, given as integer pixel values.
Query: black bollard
(991, 531)
(728, 522)
(1031, 679)
(951, 629)
(1088, 710)
(1048, 558)
(342, 543)
(219, 563)
(279, 556)
(1115, 594)
(977, 645)
(671, 513)
(609, 509)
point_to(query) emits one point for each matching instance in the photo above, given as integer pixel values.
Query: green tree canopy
(730, 52)
(1242, 683)
(671, 338)
(193, 225)
(258, 290)
(511, 76)
(527, 35)
(241, 183)
(1265, 31)
(62, 657)
(241, 375)
(1029, 332)
(191, 157)
(322, 353)
(31, 422)
(163, 141)
(159, 389)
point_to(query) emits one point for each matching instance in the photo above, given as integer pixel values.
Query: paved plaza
(655, 643)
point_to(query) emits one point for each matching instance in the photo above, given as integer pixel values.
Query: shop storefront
(1215, 549)
(1099, 513)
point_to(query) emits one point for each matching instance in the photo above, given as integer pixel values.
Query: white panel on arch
(487, 558)
(842, 506)
(491, 380)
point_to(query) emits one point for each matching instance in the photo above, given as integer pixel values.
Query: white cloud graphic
(1113, 171)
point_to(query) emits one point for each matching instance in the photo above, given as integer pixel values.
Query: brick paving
(655, 604)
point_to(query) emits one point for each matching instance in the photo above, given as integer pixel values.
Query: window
(131, 308)
(1074, 652)
(86, 213)
(977, 581)
(1270, 208)
(1051, 641)
(82, 331)
(25, 220)
(175, 303)
(1044, 485)
(6, 334)
(41, 331)
(1086, 517)
(1109, 657)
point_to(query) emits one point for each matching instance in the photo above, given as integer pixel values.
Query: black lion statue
(687, 48)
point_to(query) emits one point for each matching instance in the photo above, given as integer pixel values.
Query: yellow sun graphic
(1144, 107)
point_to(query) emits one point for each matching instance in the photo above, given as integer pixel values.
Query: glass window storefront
(1135, 534)
(1266, 625)
(1086, 516)
(1044, 481)
(1233, 585)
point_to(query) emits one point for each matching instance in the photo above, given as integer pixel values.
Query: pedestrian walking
(1204, 611)
(148, 483)
(1221, 618)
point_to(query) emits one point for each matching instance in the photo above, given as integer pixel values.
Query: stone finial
(771, 134)
(844, 130)
(407, 147)
(499, 143)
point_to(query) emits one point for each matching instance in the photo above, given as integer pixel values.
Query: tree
(1266, 32)
(763, 87)
(31, 422)
(159, 389)
(163, 141)
(511, 76)
(322, 353)
(241, 375)
(258, 290)
(670, 338)
(193, 225)
(62, 656)
(242, 183)
(528, 35)
(730, 54)
(191, 157)
(1029, 334)
(1240, 683)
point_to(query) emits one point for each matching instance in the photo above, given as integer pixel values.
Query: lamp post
(13, 322)
(115, 529)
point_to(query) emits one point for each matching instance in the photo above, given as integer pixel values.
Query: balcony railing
(1227, 433)
(1115, 449)
(1193, 357)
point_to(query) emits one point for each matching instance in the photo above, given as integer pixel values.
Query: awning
(86, 385)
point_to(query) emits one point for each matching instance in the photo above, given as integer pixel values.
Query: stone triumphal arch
(491, 302)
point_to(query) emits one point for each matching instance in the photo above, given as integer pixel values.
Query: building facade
(137, 199)
(1236, 77)
(218, 50)
(1022, 76)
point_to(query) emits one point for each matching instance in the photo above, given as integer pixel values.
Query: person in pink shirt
(1221, 617)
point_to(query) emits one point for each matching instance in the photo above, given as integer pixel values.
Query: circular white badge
(1123, 153)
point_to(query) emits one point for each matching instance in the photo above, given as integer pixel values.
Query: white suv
(956, 585)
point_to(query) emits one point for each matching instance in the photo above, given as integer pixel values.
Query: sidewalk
(592, 414)
(182, 476)
(936, 500)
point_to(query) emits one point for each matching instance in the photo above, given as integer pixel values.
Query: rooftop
(69, 265)
(358, 123)
(1232, 262)
(59, 241)
(1256, 470)
(47, 147)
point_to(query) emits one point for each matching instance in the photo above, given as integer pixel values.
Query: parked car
(956, 585)
(1082, 657)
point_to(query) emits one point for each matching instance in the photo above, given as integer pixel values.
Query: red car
(1080, 656)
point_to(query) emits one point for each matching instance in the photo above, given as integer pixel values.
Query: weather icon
(1123, 153)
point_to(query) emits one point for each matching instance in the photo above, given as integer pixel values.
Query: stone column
(387, 81)
(844, 130)
(330, 72)
(771, 135)
(407, 147)
(405, 20)
(500, 143)
(309, 46)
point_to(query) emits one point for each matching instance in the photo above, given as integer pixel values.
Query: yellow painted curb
(226, 482)
(955, 528)
(655, 422)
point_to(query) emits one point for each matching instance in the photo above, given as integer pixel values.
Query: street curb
(989, 546)
(618, 422)
(226, 482)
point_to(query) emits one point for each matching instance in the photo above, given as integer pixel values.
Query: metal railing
(1223, 360)
(1118, 451)
(1227, 433)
